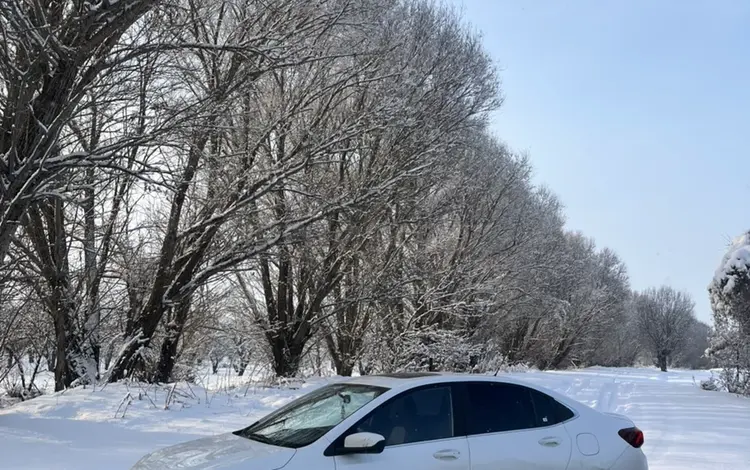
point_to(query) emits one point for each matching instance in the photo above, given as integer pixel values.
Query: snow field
(113, 426)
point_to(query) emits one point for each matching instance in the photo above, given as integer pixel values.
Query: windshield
(306, 419)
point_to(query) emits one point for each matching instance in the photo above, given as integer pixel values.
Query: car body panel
(630, 459)
(611, 447)
(547, 448)
(223, 451)
(444, 454)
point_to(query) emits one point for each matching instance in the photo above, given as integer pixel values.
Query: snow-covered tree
(665, 317)
(729, 291)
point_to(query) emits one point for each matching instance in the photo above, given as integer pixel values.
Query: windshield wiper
(270, 424)
(259, 438)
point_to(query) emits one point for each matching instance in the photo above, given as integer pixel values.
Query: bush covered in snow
(730, 299)
(711, 384)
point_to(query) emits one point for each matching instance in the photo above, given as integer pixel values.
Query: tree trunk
(167, 358)
(340, 351)
(168, 354)
(129, 360)
(65, 349)
(287, 354)
(662, 361)
(9, 224)
(108, 357)
(51, 360)
(344, 365)
(562, 353)
(241, 368)
(9, 359)
(70, 359)
(61, 381)
(139, 336)
(364, 369)
(92, 314)
(345, 369)
(345, 341)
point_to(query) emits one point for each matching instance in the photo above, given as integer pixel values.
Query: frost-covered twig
(126, 401)
(145, 393)
(169, 395)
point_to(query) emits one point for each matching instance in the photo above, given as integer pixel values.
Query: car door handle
(447, 454)
(549, 441)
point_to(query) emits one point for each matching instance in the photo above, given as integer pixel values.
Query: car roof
(415, 379)
(395, 380)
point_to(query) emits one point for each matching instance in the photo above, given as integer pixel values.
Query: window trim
(462, 391)
(459, 422)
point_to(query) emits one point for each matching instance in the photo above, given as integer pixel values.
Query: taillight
(632, 436)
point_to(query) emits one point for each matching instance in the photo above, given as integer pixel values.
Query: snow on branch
(735, 264)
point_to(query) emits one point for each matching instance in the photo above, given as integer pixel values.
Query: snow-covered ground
(112, 427)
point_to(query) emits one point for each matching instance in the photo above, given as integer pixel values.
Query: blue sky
(636, 113)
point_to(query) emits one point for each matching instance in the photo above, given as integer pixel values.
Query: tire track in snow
(649, 408)
(607, 396)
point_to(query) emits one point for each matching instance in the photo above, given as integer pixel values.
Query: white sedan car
(420, 422)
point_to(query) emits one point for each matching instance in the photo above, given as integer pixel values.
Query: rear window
(548, 410)
(500, 407)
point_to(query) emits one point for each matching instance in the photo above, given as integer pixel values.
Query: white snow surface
(685, 427)
(736, 260)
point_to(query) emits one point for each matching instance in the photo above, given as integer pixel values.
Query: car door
(420, 430)
(508, 429)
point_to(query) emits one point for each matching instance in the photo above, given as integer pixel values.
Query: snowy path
(685, 427)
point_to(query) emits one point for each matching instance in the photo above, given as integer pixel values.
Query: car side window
(498, 407)
(421, 415)
(548, 410)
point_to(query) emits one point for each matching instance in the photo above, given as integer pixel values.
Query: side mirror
(363, 443)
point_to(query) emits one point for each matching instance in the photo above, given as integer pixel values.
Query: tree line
(282, 181)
